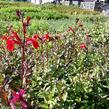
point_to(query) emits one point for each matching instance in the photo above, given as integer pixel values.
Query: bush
(70, 70)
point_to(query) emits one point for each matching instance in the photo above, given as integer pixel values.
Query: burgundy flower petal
(16, 36)
(32, 41)
(45, 38)
(35, 43)
(21, 92)
(36, 36)
(28, 41)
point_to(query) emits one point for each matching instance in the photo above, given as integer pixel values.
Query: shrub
(70, 70)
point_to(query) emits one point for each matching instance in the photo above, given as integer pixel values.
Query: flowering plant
(62, 47)
(11, 39)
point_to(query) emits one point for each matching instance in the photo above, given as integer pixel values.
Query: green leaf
(64, 97)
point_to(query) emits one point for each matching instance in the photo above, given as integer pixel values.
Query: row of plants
(67, 70)
(60, 8)
(5, 4)
(54, 26)
(40, 12)
(8, 14)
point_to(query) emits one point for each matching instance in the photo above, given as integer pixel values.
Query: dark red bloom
(36, 36)
(83, 46)
(32, 41)
(46, 37)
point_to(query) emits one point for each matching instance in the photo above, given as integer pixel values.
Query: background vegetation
(65, 76)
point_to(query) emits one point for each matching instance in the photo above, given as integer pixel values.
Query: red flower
(46, 37)
(10, 45)
(16, 36)
(32, 41)
(83, 46)
(12, 40)
(36, 36)
(18, 97)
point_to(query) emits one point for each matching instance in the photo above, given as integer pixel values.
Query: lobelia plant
(21, 39)
(12, 38)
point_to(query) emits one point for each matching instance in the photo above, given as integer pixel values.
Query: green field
(44, 17)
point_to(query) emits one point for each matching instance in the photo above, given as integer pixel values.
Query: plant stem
(23, 55)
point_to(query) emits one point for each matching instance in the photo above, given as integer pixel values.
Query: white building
(41, 1)
(64, 1)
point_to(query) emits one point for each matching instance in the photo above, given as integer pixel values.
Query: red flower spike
(35, 43)
(16, 42)
(83, 46)
(11, 37)
(36, 36)
(45, 38)
(32, 41)
(10, 45)
(28, 41)
(16, 35)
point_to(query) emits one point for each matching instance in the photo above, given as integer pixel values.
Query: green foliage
(7, 11)
(71, 78)
(65, 76)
